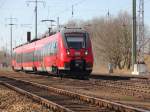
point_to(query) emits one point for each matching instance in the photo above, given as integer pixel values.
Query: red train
(66, 51)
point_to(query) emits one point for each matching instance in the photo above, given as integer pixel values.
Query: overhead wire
(67, 9)
(146, 1)
(2, 4)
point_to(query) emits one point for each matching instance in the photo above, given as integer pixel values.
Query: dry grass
(100, 69)
(147, 61)
(103, 69)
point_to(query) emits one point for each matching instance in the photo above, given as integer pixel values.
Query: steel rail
(36, 98)
(134, 90)
(96, 101)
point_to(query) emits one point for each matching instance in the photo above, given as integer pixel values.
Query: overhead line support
(36, 13)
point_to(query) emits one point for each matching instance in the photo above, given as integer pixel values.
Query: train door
(43, 55)
(54, 52)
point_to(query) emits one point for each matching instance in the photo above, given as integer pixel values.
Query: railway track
(135, 89)
(138, 88)
(64, 101)
(125, 85)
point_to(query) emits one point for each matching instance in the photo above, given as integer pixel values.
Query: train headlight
(68, 52)
(86, 52)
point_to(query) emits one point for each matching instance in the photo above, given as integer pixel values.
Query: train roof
(72, 29)
(62, 30)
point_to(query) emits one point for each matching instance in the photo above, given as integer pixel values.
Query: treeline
(111, 39)
(4, 58)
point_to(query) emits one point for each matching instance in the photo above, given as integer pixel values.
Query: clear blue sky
(83, 10)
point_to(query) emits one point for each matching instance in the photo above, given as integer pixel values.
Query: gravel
(10, 101)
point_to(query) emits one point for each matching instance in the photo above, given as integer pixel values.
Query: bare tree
(112, 39)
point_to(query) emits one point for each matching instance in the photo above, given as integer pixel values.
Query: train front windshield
(75, 41)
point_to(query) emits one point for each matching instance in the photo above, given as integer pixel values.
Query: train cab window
(76, 41)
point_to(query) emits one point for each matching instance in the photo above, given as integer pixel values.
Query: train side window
(44, 51)
(52, 48)
(14, 55)
(17, 57)
(39, 54)
(49, 48)
(25, 57)
(36, 55)
(22, 56)
(55, 47)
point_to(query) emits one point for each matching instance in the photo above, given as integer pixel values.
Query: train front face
(78, 52)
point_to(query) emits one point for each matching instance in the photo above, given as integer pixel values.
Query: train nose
(74, 53)
(77, 64)
(77, 53)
